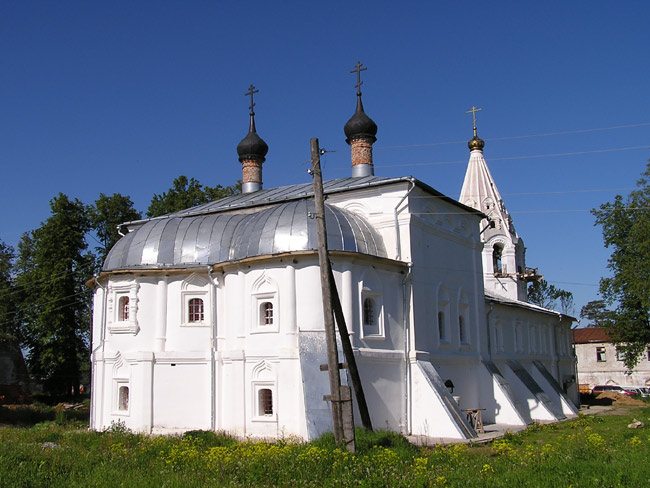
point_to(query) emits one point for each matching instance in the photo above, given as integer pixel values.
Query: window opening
(600, 354)
(497, 253)
(368, 311)
(195, 306)
(124, 309)
(441, 326)
(265, 401)
(123, 398)
(620, 355)
(267, 313)
(461, 329)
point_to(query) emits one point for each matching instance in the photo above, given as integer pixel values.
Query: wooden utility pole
(326, 288)
(349, 354)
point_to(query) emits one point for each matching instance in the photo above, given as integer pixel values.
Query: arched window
(442, 333)
(123, 309)
(265, 399)
(369, 312)
(195, 310)
(497, 253)
(266, 313)
(462, 333)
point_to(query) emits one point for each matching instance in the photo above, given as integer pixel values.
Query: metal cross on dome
(473, 110)
(250, 92)
(358, 69)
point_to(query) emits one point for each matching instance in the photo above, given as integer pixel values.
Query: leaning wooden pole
(349, 354)
(323, 262)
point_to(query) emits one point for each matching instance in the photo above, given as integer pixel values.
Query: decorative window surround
(123, 308)
(266, 310)
(194, 288)
(264, 393)
(121, 397)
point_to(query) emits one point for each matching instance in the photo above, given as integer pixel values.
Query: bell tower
(504, 261)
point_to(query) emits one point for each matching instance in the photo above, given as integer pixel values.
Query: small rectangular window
(195, 306)
(124, 309)
(461, 330)
(123, 398)
(600, 354)
(620, 355)
(266, 313)
(265, 402)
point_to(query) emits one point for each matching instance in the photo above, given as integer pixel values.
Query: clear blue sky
(122, 97)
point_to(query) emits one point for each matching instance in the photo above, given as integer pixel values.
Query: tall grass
(586, 452)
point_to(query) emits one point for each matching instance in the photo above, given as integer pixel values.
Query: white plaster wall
(611, 371)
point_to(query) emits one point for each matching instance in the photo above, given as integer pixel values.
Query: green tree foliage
(596, 313)
(547, 296)
(626, 231)
(105, 217)
(8, 323)
(186, 194)
(52, 266)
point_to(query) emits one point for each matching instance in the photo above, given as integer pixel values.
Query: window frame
(117, 323)
(259, 325)
(374, 330)
(118, 385)
(258, 415)
(187, 297)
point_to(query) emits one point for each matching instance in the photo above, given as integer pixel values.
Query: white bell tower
(504, 261)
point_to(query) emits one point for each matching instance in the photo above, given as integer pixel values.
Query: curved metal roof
(196, 240)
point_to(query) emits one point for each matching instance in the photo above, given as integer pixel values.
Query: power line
(510, 158)
(507, 138)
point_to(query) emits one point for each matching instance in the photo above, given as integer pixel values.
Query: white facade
(421, 312)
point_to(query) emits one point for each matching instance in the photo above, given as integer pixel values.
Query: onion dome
(360, 125)
(252, 146)
(476, 143)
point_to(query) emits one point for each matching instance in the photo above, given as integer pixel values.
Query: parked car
(641, 391)
(613, 388)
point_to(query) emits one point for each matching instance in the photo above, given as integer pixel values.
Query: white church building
(211, 318)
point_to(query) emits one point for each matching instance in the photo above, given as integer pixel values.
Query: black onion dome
(252, 146)
(360, 124)
(476, 143)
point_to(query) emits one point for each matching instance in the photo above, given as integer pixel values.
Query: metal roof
(490, 296)
(192, 238)
(300, 191)
(590, 334)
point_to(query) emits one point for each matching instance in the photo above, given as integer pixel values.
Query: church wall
(446, 280)
(527, 335)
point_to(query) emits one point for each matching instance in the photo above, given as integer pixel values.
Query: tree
(545, 295)
(186, 194)
(52, 266)
(8, 315)
(596, 313)
(626, 231)
(106, 215)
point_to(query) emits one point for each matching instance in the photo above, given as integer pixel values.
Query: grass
(590, 451)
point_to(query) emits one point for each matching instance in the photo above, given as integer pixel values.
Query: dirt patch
(621, 400)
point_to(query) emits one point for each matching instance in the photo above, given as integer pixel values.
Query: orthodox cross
(250, 92)
(474, 110)
(358, 69)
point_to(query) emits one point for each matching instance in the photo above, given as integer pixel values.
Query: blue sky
(122, 97)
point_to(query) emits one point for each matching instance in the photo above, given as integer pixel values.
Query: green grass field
(590, 451)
